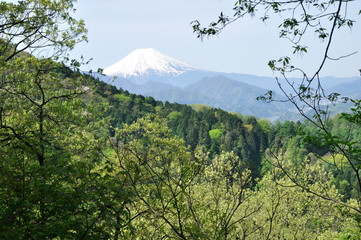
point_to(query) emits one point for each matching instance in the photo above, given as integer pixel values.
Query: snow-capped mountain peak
(147, 61)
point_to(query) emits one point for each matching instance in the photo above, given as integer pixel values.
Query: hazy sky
(117, 27)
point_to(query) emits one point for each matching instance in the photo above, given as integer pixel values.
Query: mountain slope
(348, 89)
(236, 96)
(225, 93)
(219, 92)
(177, 95)
(226, 89)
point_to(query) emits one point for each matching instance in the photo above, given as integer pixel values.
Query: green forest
(81, 159)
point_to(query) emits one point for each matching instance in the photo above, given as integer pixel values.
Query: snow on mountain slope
(143, 62)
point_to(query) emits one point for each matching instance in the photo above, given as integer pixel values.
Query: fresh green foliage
(298, 18)
(184, 196)
(81, 159)
(49, 139)
(33, 25)
(215, 135)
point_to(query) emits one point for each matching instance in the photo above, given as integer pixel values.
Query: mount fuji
(146, 61)
(143, 65)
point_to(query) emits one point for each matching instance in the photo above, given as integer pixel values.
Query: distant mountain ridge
(348, 89)
(151, 73)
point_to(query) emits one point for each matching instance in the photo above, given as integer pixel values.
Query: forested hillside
(81, 159)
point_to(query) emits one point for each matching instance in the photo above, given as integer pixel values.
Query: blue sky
(117, 27)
